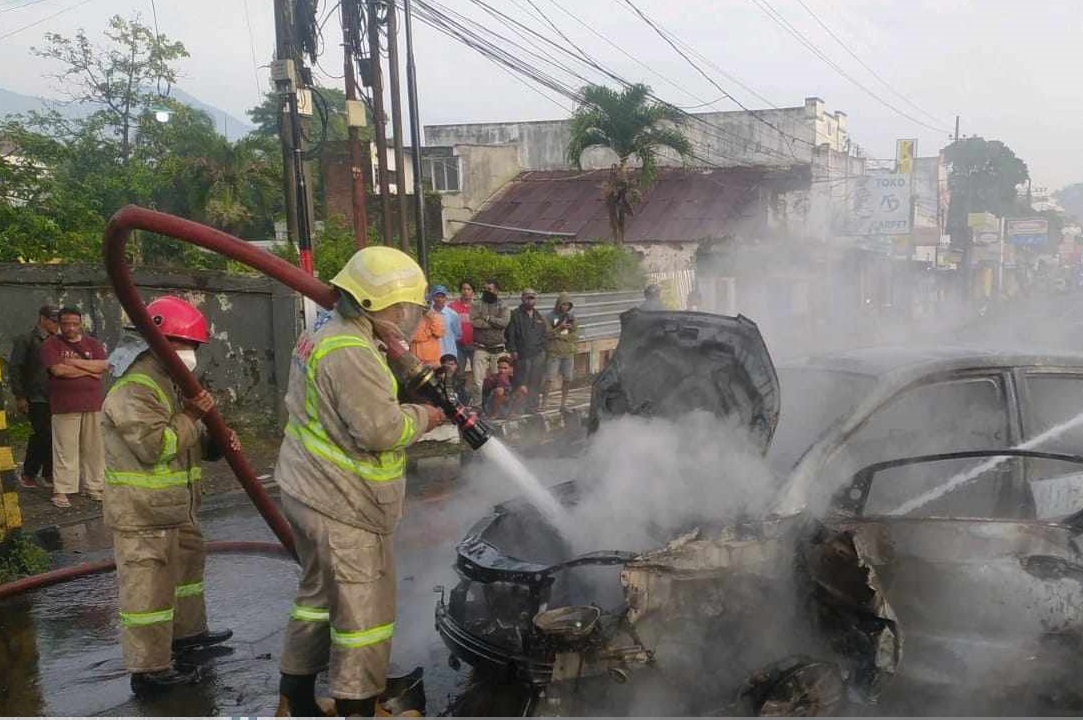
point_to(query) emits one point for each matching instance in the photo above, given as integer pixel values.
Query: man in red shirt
(466, 342)
(76, 364)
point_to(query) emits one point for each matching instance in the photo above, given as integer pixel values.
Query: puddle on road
(60, 651)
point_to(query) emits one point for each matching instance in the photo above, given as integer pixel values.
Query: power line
(726, 136)
(630, 56)
(665, 36)
(154, 13)
(777, 17)
(24, 5)
(865, 65)
(252, 47)
(47, 18)
(487, 41)
(438, 20)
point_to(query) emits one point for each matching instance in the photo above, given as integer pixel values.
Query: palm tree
(629, 123)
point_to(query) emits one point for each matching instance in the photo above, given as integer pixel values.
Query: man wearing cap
(29, 384)
(526, 337)
(489, 317)
(453, 329)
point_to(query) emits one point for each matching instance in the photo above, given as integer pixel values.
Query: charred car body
(923, 535)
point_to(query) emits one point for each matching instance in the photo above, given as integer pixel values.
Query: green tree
(43, 215)
(985, 175)
(329, 107)
(630, 124)
(123, 79)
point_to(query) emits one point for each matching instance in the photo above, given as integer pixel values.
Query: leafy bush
(20, 557)
(603, 267)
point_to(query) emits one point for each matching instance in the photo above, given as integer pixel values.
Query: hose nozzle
(421, 381)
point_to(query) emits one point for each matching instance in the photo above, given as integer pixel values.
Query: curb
(11, 519)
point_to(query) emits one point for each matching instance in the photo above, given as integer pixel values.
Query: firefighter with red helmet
(154, 442)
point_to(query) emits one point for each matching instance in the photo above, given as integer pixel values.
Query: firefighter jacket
(152, 451)
(344, 450)
(563, 329)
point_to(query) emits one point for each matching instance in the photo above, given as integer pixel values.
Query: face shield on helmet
(404, 316)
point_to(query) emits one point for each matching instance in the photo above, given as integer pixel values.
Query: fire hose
(64, 574)
(419, 378)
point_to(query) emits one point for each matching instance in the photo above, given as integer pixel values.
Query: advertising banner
(880, 205)
(1027, 232)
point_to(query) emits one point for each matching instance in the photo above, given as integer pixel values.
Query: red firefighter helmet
(179, 319)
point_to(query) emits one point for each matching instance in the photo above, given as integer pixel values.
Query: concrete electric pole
(396, 123)
(415, 140)
(380, 119)
(355, 118)
(286, 72)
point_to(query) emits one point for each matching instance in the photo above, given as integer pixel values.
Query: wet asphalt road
(59, 651)
(59, 646)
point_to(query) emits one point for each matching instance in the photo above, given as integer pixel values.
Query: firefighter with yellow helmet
(341, 471)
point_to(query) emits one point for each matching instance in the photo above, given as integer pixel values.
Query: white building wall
(775, 138)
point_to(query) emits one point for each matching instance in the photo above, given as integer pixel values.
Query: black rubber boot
(355, 708)
(207, 638)
(298, 696)
(150, 683)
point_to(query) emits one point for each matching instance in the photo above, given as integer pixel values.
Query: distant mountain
(13, 103)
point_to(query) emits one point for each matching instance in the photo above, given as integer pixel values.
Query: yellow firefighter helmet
(378, 277)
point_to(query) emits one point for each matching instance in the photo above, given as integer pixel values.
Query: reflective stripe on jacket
(152, 451)
(343, 453)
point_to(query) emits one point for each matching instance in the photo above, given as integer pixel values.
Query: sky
(1007, 68)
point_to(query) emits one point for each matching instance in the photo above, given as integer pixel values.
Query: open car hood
(671, 363)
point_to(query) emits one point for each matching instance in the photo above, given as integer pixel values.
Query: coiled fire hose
(115, 244)
(114, 249)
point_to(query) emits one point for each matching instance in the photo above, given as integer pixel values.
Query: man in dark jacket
(489, 318)
(526, 337)
(29, 384)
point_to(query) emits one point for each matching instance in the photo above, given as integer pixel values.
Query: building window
(442, 173)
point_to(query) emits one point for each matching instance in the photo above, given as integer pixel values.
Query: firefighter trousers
(344, 614)
(160, 572)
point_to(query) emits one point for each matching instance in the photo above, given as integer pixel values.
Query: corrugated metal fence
(598, 314)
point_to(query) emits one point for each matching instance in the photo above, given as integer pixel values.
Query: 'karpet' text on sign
(880, 205)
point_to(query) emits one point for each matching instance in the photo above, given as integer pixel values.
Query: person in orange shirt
(426, 341)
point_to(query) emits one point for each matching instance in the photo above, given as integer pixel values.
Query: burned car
(921, 534)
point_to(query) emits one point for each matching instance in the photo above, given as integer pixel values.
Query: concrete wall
(776, 137)
(483, 170)
(254, 323)
(539, 145)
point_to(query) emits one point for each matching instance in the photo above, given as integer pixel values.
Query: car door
(1052, 400)
(976, 595)
(950, 413)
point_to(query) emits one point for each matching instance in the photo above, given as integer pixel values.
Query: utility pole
(956, 128)
(355, 119)
(396, 122)
(287, 76)
(415, 140)
(380, 121)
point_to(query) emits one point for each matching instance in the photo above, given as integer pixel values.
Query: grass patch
(20, 556)
(19, 431)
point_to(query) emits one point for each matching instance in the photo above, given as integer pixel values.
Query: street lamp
(162, 114)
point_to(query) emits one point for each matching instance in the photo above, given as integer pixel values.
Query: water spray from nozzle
(421, 381)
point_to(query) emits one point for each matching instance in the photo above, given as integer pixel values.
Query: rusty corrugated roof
(682, 205)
